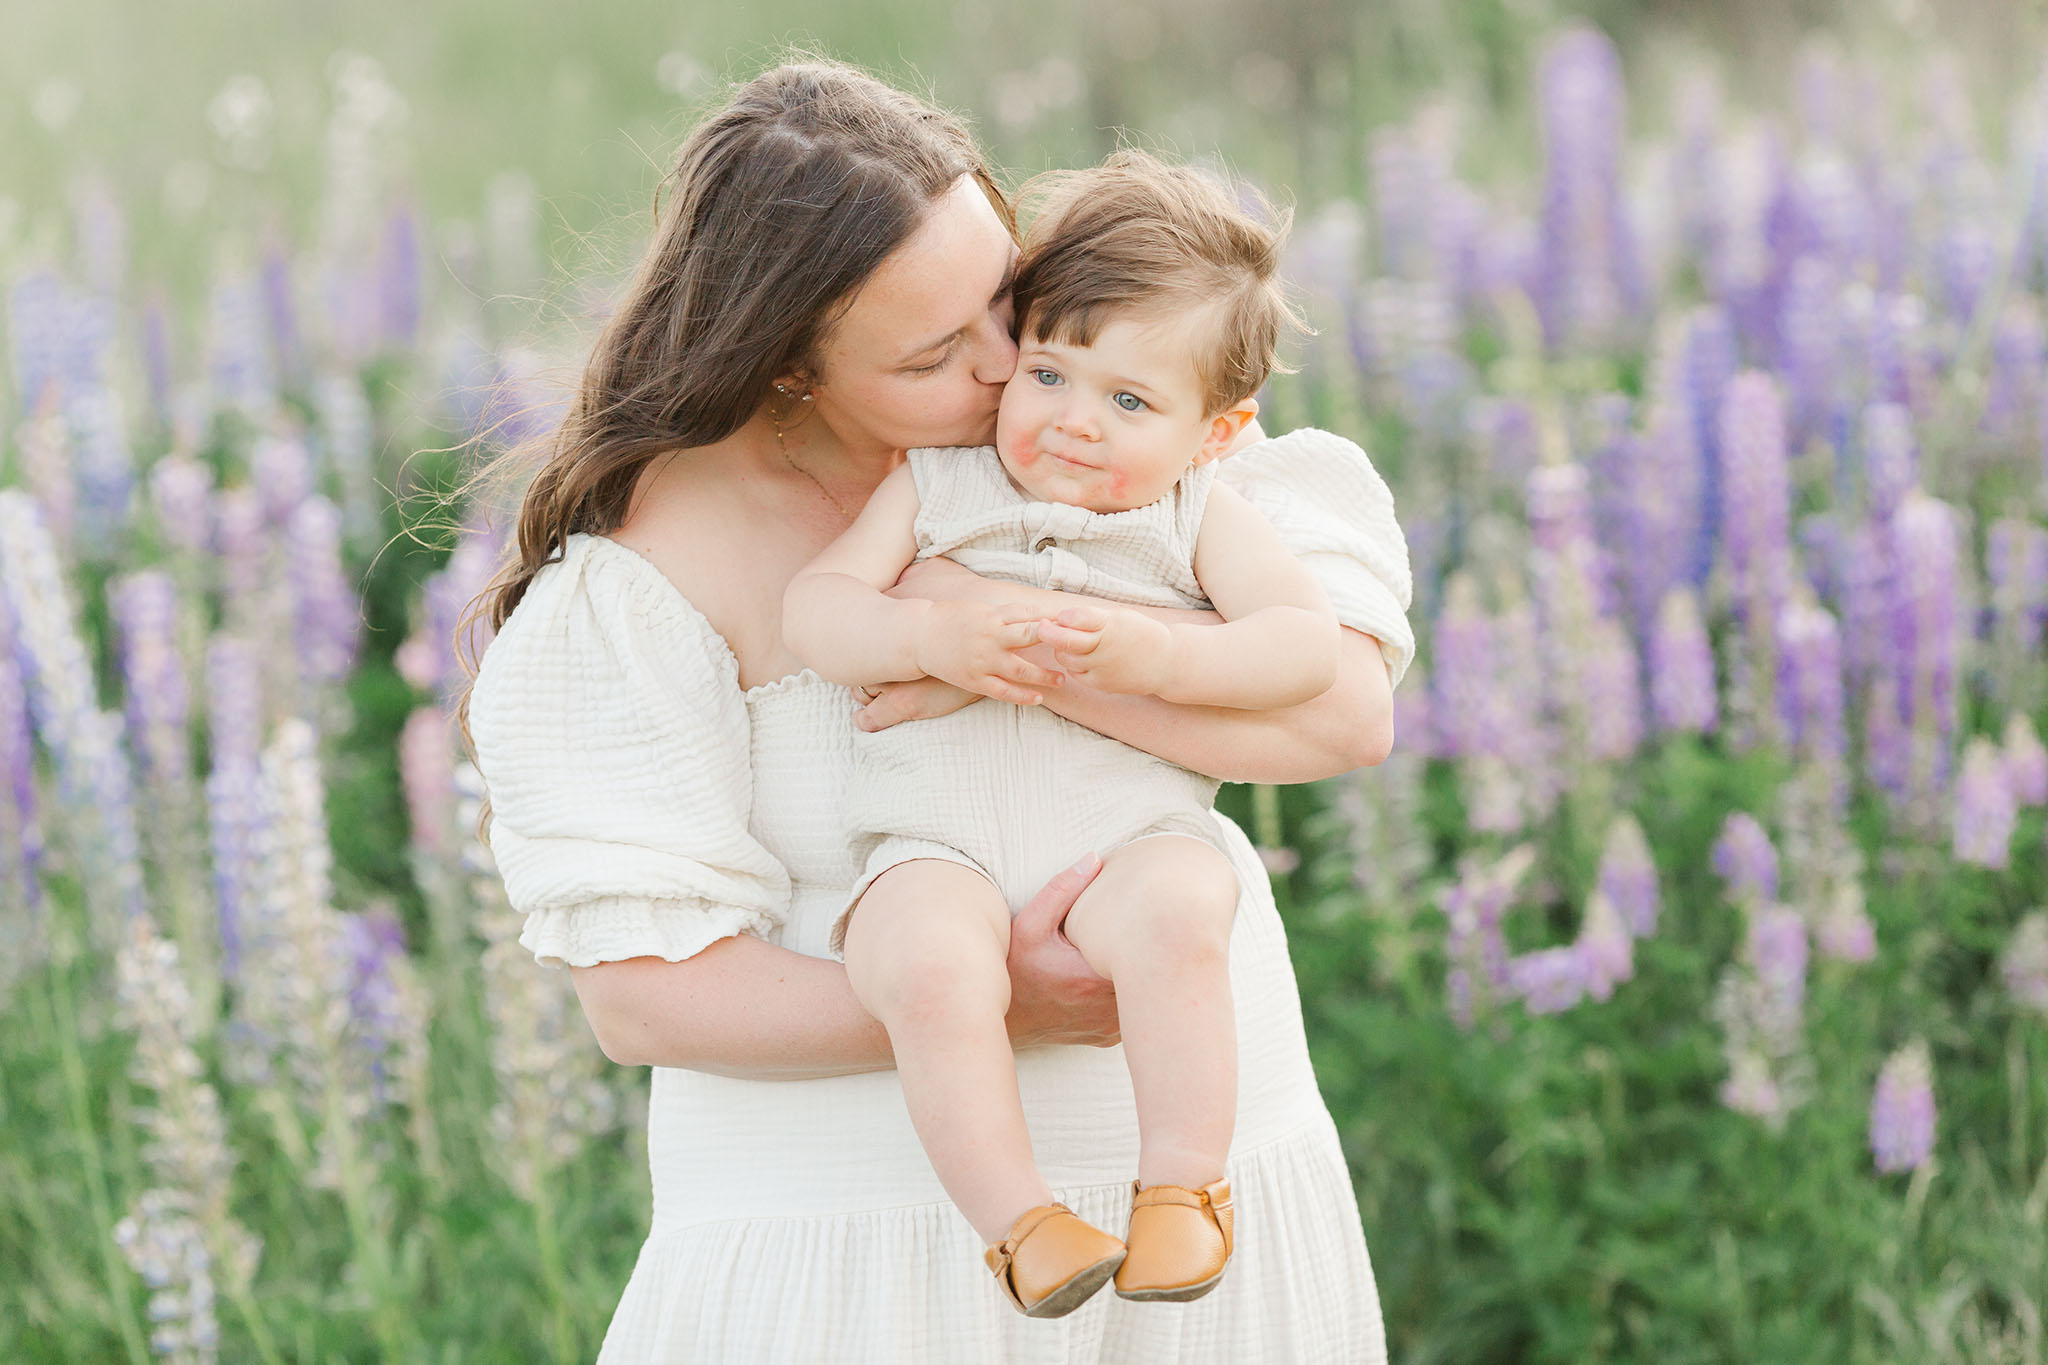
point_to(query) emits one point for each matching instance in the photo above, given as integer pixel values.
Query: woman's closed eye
(945, 357)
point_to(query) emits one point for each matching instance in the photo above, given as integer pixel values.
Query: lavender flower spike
(1682, 692)
(2026, 761)
(1744, 858)
(1902, 1112)
(1985, 810)
(1628, 877)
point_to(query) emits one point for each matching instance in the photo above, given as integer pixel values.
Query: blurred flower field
(1680, 985)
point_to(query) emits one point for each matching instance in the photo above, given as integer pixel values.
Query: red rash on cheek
(1118, 483)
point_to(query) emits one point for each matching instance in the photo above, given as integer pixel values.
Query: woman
(829, 287)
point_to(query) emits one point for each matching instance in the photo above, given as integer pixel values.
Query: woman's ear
(1225, 428)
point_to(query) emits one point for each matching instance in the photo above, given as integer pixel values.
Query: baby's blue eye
(1046, 377)
(1128, 401)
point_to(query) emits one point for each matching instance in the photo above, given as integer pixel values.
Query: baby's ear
(1225, 428)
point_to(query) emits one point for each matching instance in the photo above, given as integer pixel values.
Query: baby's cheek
(1119, 484)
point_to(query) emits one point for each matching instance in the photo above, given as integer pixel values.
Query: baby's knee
(928, 946)
(1185, 890)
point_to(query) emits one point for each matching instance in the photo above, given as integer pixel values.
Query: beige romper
(1017, 792)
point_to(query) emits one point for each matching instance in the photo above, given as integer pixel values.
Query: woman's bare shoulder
(704, 524)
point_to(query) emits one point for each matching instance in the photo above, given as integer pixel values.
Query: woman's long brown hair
(783, 202)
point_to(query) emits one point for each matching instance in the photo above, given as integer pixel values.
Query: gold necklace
(782, 444)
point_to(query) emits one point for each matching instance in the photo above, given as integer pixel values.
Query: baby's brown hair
(1138, 234)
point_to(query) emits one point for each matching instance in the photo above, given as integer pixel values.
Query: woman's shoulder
(598, 615)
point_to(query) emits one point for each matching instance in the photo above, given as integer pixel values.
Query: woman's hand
(1055, 996)
(886, 704)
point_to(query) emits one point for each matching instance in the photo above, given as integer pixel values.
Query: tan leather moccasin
(1052, 1262)
(1179, 1242)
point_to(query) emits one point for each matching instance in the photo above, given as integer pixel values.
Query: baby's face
(1110, 426)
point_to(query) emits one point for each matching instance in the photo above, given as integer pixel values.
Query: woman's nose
(995, 351)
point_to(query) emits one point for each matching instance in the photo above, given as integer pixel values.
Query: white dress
(645, 805)
(1018, 792)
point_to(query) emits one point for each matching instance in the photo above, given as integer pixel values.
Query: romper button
(1041, 545)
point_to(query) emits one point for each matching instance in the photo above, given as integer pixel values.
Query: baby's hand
(975, 646)
(1113, 648)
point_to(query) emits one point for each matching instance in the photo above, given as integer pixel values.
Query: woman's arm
(747, 1008)
(1347, 727)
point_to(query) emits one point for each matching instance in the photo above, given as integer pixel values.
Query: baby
(1149, 308)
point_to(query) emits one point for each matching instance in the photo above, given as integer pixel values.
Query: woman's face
(921, 355)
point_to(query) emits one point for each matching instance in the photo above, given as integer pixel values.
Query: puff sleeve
(613, 739)
(1336, 513)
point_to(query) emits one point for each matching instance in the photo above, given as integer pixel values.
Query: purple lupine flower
(441, 654)
(1506, 429)
(1682, 692)
(247, 576)
(283, 474)
(1985, 810)
(398, 279)
(426, 770)
(281, 311)
(101, 233)
(85, 743)
(156, 357)
(234, 697)
(1605, 947)
(327, 617)
(1549, 980)
(1927, 634)
(103, 463)
(181, 496)
(21, 845)
(1709, 366)
(1589, 278)
(1778, 951)
(1810, 681)
(1891, 463)
(2026, 761)
(374, 943)
(1843, 931)
(2016, 573)
(2024, 964)
(1744, 859)
(1756, 496)
(1887, 742)
(1864, 593)
(1614, 704)
(1628, 876)
(1463, 679)
(145, 612)
(2013, 392)
(166, 1246)
(1809, 345)
(1902, 1114)
(238, 353)
(345, 443)
(1474, 907)
(1898, 327)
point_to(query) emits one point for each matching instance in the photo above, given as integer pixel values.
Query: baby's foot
(1179, 1242)
(1052, 1262)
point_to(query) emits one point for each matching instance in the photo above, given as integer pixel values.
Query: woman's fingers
(1029, 674)
(1042, 914)
(1018, 634)
(1067, 639)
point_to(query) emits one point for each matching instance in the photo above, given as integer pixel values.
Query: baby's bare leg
(1157, 923)
(925, 952)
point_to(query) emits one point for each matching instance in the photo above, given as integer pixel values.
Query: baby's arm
(1276, 648)
(837, 618)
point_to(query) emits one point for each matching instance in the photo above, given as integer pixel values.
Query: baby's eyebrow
(1009, 278)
